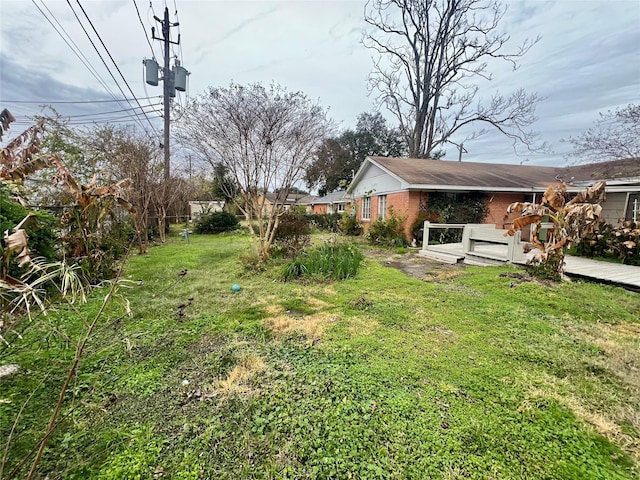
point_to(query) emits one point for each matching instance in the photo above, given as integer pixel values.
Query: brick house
(334, 202)
(405, 184)
(270, 201)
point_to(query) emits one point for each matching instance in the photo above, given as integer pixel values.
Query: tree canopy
(338, 158)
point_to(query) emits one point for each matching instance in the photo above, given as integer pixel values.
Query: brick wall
(498, 203)
(403, 203)
(408, 204)
(320, 209)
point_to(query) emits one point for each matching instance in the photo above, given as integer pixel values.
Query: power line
(90, 66)
(105, 63)
(96, 114)
(79, 119)
(120, 119)
(178, 22)
(144, 29)
(77, 53)
(76, 101)
(114, 63)
(133, 109)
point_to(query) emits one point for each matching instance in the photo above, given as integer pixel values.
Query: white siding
(376, 181)
(614, 207)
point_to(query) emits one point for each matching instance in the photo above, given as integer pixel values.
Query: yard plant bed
(465, 372)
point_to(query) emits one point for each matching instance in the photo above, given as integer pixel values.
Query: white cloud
(588, 59)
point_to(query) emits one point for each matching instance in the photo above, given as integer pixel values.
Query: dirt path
(416, 266)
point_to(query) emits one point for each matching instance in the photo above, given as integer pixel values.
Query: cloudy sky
(587, 61)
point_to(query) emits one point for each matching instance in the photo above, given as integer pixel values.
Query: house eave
(474, 188)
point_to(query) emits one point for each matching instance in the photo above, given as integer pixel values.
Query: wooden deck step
(446, 257)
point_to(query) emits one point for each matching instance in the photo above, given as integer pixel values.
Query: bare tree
(616, 135)
(265, 138)
(430, 54)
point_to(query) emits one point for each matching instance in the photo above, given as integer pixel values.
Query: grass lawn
(467, 375)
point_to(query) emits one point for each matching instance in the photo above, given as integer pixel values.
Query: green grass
(470, 375)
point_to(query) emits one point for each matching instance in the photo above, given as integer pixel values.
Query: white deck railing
(433, 226)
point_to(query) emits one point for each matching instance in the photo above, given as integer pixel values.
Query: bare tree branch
(430, 51)
(615, 135)
(264, 138)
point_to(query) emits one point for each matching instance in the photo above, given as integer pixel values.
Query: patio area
(484, 254)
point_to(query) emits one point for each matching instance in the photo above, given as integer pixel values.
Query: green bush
(328, 222)
(333, 259)
(349, 225)
(450, 208)
(43, 239)
(292, 235)
(388, 232)
(621, 243)
(217, 222)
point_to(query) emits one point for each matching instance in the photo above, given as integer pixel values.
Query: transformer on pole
(173, 79)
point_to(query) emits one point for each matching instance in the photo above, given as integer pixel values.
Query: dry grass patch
(620, 345)
(442, 275)
(311, 326)
(238, 382)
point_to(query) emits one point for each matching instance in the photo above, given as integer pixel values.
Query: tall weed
(333, 259)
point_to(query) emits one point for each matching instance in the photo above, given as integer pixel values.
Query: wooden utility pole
(168, 84)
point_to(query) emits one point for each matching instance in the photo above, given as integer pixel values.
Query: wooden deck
(625, 275)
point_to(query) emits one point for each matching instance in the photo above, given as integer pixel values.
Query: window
(340, 207)
(633, 207)
(382, 207)
(366, 208)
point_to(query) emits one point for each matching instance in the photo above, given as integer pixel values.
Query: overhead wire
(76, 101)
(77, 53)
(178, 22)
(153, 54)
(181, 57)
(133, 110)
(113, 111)
(114, 63)
(105, 63)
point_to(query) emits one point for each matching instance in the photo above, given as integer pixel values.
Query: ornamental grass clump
(335, 260)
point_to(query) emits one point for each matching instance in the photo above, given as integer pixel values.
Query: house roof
(291, 198)
(442, 174)
(626, 170)
(308, 200)
(339, 196)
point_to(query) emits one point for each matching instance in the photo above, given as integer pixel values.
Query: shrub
(42, 234)
(621, 242)
(251, 262)
(336, 260)
(292, 235)
(450, 208)
(349, 225)
(328, 222)
(217, 222)
(388, 232)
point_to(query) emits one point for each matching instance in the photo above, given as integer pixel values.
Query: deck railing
(433, 226)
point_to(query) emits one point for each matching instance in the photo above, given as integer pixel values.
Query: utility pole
(169, 83)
